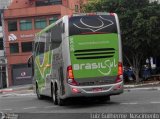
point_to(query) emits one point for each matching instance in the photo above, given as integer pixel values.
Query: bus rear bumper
(93, 91)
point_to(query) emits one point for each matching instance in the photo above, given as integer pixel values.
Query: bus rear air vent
(94, 53)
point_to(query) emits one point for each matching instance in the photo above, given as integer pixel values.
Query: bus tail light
(120, 68)
(75, 90)
(70, 76)
(120, 72)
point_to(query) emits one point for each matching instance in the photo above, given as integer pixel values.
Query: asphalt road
(137, 101)
(130, 101)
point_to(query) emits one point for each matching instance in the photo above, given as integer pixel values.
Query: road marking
(155, 102)
(135, 89)
(50, 107)
(20, 95)
(131, 103)
(7, 109)
(25, 94)
(30, 108)
(6, 95)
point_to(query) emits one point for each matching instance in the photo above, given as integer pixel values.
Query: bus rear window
(97, 24)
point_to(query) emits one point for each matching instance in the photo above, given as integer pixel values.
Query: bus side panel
(43, 66)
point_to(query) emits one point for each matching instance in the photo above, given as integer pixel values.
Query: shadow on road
(83, 102)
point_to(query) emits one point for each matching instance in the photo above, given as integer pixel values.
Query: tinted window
(40, 46)
(56, 35)
(53, 19)
(92, 24)
(40, 23)
(26, 46)
(1, 44)
(48, 41)
(14, 48)
(48, 2)
(25, 24)
(76, 8)
(12, 25)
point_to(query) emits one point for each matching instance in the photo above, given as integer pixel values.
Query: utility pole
(1, 77)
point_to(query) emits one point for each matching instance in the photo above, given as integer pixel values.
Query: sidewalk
(18, 89)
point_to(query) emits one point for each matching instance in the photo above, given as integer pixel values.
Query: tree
(140, 26)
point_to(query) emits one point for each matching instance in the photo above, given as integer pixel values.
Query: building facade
(22, 20)
(3, 81)
(3, 73)
(4, 3)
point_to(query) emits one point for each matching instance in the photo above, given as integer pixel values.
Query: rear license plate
(97, 89)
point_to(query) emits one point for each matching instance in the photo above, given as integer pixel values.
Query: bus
(79, 56)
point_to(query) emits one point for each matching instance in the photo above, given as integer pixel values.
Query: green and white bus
(79, 56)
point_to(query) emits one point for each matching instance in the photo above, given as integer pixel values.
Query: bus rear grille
(94, 53)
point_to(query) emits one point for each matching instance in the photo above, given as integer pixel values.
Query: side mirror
(30, 61)
(31, 64)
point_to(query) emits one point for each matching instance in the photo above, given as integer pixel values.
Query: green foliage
(140, 26)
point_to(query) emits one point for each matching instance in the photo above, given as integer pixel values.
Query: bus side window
(41, 48)
(48, 41)
(56, 36)
(35, 48)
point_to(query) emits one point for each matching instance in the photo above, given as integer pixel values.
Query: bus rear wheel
(39, 96)
(60, 101)
(56, 96)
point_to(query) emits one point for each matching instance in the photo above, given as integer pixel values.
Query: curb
(6, 90)
(17, 89)
(142, 89)
(17, 94)
(147, 86)
(139, 85)
(13, 91)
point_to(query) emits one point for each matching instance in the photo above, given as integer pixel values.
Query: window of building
(26, 24)
(1, 44)
(76, 8)
(40, 23)
(12, 25)
(53, 19)
(14, 48)
(48, 2)
(26, 46)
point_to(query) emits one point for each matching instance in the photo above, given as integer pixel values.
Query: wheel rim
(54, 96)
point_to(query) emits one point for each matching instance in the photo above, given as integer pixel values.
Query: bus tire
(60, 101)
(54, 95)
(39, 96)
